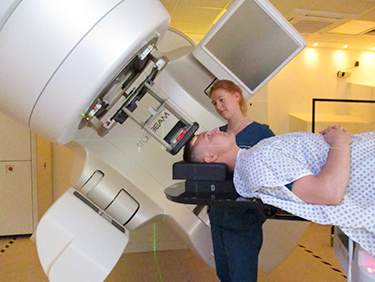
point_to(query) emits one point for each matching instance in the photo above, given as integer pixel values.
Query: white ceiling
(331, 23)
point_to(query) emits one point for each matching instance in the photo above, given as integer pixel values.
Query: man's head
(212, 146)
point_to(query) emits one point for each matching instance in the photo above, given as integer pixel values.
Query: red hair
(232, 88)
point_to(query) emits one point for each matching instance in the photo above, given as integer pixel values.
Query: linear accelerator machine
(75, 71)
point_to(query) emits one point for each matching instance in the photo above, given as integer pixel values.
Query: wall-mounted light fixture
(345, 73)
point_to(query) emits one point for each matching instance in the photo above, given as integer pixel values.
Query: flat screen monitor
(249, 44)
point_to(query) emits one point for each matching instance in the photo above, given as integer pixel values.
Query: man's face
(212, 142)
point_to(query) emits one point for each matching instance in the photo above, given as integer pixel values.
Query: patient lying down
(331, 175)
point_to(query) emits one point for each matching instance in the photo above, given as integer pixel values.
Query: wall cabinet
(16, 181)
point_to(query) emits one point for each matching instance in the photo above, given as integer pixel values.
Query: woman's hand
(336, 136)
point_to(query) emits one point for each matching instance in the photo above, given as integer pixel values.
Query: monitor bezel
(209, 60)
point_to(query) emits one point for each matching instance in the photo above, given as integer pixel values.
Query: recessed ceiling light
(345, 46)
(373, 48)
(354, 27)
(315, 44)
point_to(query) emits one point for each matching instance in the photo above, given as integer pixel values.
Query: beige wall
(312, 74)
(53, 172)
(258, 106)
(44, 174)
(62, 159)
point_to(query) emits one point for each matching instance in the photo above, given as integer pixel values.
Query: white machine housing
(54, 75)
(357, 264)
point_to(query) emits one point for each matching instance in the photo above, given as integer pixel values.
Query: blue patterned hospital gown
(263, 171)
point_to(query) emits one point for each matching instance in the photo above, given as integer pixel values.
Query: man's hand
(336, 136)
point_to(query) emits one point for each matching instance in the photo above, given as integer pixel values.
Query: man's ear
(210, 158)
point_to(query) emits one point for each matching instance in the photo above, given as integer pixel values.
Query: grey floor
(313, 261)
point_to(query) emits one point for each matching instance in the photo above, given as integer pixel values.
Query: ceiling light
(315, 44)
(373, 48)
(345, 46)
(308, 21)
(354, 27)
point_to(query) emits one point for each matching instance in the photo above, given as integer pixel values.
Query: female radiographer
(236, 231)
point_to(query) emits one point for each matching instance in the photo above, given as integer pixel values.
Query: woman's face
(226, 103)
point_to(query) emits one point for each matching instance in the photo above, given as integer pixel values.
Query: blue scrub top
(241, 218)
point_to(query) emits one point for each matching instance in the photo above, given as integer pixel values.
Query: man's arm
(329, 186)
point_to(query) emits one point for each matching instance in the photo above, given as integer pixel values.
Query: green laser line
(155, 256)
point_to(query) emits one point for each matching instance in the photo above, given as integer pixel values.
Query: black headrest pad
(201, 171)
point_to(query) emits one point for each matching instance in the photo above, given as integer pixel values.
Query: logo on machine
(154, 128)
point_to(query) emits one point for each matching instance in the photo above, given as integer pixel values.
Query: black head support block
(201, 171)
